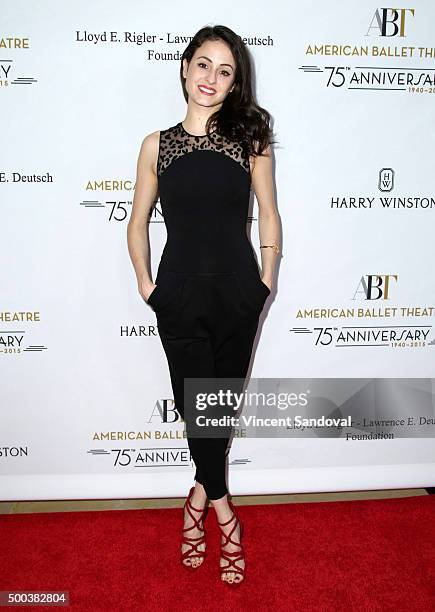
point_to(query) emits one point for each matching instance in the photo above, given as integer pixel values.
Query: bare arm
(269, 228)
(144, 197)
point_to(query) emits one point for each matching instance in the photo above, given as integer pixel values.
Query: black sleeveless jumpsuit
(209, 293)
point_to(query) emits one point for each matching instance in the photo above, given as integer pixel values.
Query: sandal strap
(238, 555)
(232, 517)
(231, 565)
(233, 508)
(193, 551)
(190, 541)
(228, 535)
(196, 520)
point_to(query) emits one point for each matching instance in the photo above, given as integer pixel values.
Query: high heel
(232, 557)
(193, 542)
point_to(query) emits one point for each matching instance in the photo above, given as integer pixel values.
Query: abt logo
(392, 19)
(164, 411)
(375, 286)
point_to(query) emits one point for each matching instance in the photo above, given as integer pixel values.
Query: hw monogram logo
(375, 286)
(389, 16)
(386, 179)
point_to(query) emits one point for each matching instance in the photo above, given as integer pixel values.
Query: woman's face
(210, 74)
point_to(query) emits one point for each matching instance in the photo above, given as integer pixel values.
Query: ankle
(196, 500)
(199, 499)
(199, 493)
(222, 504)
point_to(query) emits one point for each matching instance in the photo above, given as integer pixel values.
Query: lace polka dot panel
(176, 142)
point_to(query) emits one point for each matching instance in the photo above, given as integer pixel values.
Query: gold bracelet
(275, 247)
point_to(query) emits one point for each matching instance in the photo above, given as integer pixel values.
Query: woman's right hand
(146, 288)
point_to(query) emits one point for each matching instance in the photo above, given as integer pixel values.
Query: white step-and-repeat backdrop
(86, 402)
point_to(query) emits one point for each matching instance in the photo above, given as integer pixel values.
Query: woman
(208, 294)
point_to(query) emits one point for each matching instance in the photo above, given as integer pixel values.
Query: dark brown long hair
(239, 119)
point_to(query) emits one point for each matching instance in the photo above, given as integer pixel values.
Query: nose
(212, 78)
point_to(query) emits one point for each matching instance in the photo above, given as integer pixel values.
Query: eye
(226, 72)
(202, 64)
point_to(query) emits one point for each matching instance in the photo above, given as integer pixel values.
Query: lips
(208, 91)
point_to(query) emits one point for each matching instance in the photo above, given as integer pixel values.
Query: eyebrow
(211, 62)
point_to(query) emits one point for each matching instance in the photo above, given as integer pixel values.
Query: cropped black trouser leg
(207, 325)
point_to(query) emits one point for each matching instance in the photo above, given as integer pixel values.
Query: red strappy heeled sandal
(232, 557)
(193, 542)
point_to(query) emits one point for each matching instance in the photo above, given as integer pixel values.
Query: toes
(231, 578)
(193, 561)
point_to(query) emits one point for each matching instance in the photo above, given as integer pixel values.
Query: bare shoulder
(260, 160)
(150, 149)
(152, 138)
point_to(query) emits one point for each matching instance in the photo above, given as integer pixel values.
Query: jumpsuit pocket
(166, 292)
(148, 301)
(265, 286)
(252, 290)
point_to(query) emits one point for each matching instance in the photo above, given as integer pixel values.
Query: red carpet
(329, 556)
